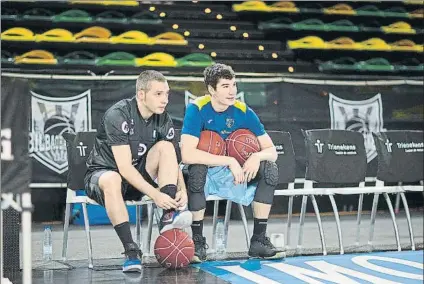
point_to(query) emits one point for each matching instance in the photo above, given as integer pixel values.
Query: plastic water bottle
(47, 244)
(220, 246)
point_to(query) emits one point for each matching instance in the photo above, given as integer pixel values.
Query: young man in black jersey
(132, 149)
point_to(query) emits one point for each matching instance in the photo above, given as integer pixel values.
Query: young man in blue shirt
(222, 175)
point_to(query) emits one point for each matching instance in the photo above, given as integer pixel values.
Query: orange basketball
(174, 249)
(211, 142)
(241, 144)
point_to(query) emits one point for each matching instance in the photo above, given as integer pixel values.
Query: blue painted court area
(381, 267)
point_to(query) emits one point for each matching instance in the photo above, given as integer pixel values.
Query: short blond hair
(145, 77)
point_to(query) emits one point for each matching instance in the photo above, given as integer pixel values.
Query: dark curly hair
(213, 73)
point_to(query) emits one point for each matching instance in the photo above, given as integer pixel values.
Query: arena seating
(252, 36)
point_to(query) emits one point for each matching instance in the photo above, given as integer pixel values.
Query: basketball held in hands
(241, 144)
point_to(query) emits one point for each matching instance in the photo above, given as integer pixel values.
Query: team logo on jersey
(50, 118)
(171, 133)
(124, 127)
(142, 148)
(189, 97)
(229, 122)
(363, 116)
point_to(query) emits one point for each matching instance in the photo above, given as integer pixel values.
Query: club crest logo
(50, 118)
(363, 116)
(229, 122)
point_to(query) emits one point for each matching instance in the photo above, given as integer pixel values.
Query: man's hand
(164, 201)
(251, 167)
(181, 198)
(237, 171)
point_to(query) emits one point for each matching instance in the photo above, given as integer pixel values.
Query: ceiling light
(219, 17)
(233, 28)
(213, 54)
(186, 33)
(291, 69)
(162, 14)
(175, 26)
(246, 35)
(207, 10)
(274, 55)
(261, 47)
(201, 46)
(152, 8)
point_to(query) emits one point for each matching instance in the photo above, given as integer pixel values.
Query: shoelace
(266, 241)
(137, 252)
(201, 243)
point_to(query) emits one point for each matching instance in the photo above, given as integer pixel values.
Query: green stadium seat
(145, 17)
(9, 14)
(111, 16)
(277, 23)
(38, 14)
(375, 65)
(117, 58)
(195, 60)
(396, 12)
(7, 57)
(309, 24)
(74, 15)
(409, 64)
(79, 57)
(311, 7)
(370, 11)
(340, 64)
(342, 26)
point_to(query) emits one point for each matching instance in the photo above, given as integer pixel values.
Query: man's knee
(165, 146)
(267, 181)
(196, 185)
(110, 182)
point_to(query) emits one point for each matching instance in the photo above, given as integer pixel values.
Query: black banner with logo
(400, 156)
(359, 107)
(59, 106)
(335, 156)
(15, 111)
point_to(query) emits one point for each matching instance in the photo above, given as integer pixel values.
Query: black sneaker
(200, 247)
(261, 247)
(133, 258)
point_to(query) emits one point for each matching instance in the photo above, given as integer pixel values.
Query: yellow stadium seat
(419, 13)
(36, 57)
(169, 38)
(256, 6)
(18, 34)
(93, 34)
(414, 2)
(343, 43)
(132, 37)
(283, 6)
(340, 9)
(157, 59)
(374, 44)
(56, 35)
(106, 2)
(399, 28)
(308, 42)
(405, 45)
